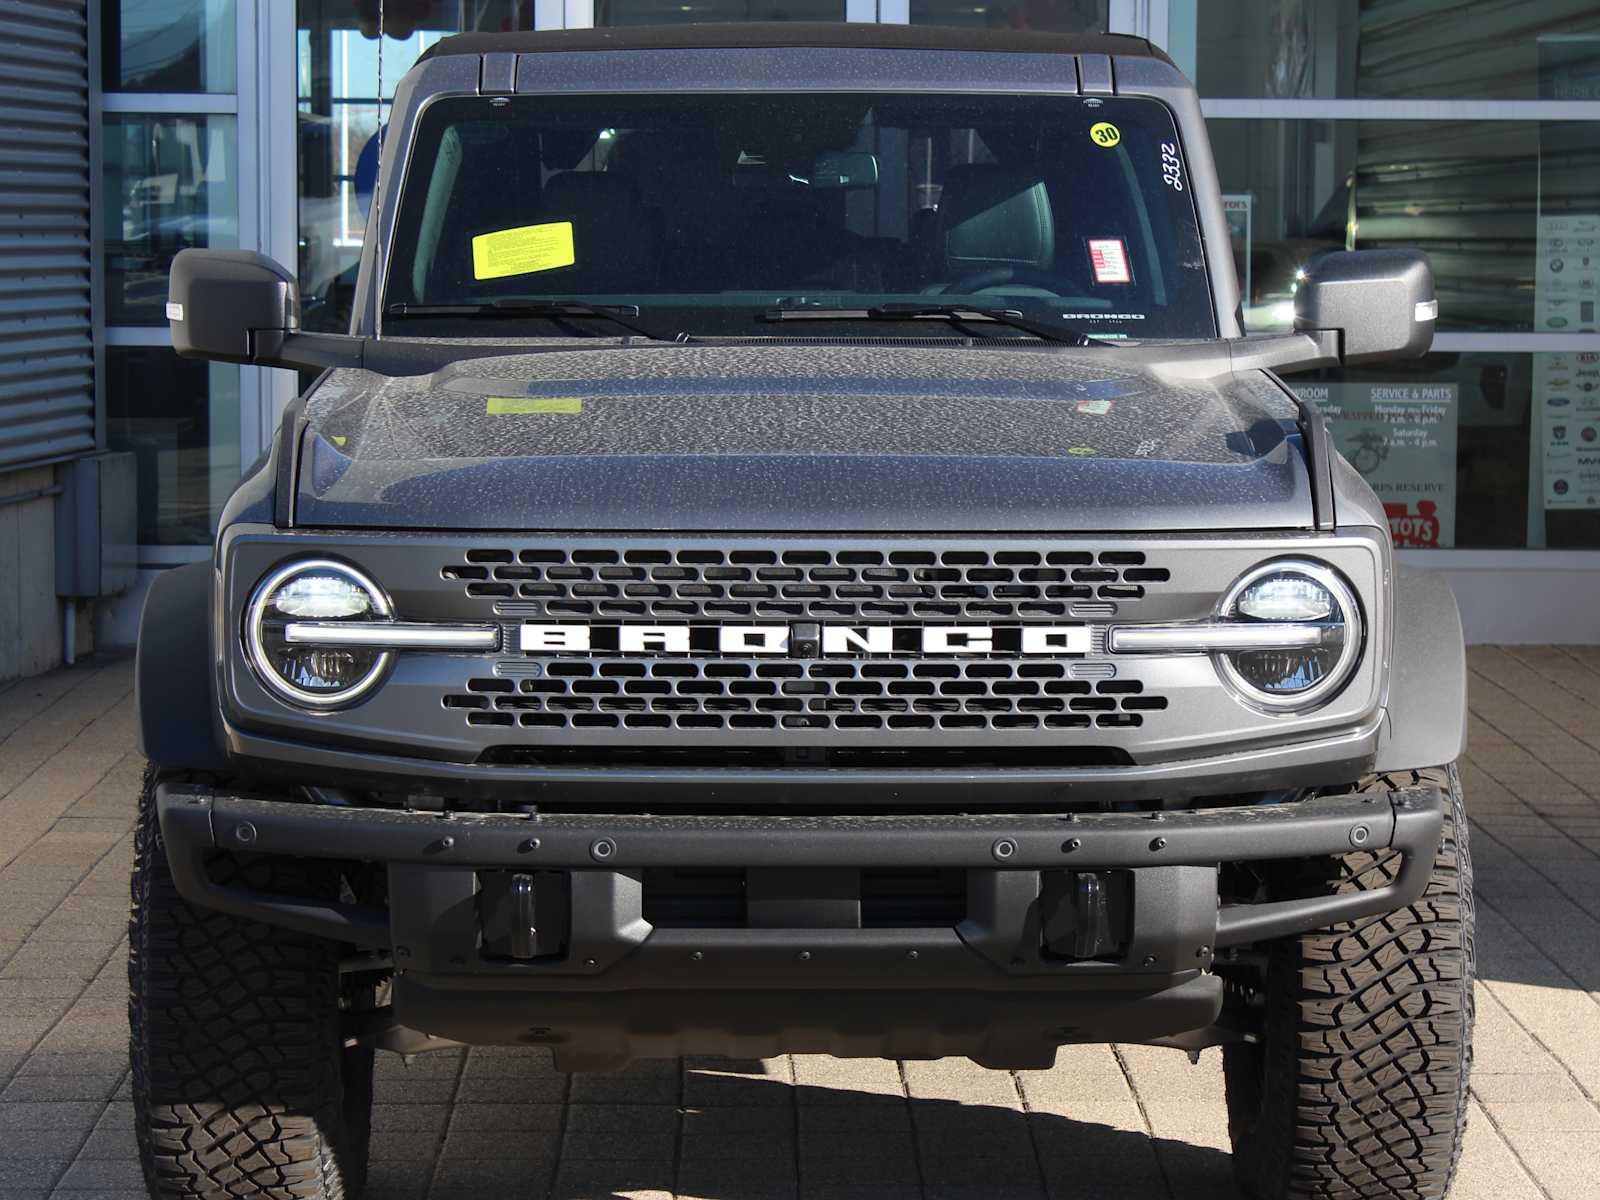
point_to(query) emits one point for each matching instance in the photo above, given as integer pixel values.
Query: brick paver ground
(1125, 1122)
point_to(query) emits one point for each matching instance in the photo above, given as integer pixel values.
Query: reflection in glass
(1051, 16)
(1444, 441)
(1474, 451)
(169, 184)
(1399, 49)
(338, 122)
(168, 45)
(181, 419)
(1484, 199)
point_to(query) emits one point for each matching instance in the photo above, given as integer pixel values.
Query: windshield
(712, 212)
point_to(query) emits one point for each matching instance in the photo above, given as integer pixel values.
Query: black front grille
(686, 898)
(711, 584)
(721, 694)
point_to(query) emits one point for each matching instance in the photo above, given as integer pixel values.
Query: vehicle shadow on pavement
(747, 1130)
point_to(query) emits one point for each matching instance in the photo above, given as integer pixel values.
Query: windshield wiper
(618, 314)
(1050, 331)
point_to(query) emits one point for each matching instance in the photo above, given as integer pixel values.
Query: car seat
(994, 231)
(615, 243)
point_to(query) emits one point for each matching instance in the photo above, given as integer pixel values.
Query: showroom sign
(1402, 438)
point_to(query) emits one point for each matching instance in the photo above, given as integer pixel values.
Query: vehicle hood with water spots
(777, 438)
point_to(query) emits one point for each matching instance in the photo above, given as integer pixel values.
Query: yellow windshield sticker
(1105, 134)
(523, 250)
(499, 406)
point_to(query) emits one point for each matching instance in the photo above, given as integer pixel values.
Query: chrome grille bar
(1208, 638)
(392, 635)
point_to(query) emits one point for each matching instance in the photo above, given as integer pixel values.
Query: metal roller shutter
(47, 406)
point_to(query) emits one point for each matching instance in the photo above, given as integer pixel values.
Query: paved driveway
(1121, 1122)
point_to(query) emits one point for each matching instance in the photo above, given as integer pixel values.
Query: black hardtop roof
(753, 35)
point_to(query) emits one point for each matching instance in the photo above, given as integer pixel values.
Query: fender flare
(1426, 721)
(175, 698)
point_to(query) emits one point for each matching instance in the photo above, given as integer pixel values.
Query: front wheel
(242, 1084)
(1357, 1088)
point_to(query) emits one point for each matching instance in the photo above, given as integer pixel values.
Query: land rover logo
(824, 641)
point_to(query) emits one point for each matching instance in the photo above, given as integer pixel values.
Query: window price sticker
(523, 250)
(1109, 258)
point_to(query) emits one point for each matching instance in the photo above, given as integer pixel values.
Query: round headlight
(1313, 608)
(307, 674)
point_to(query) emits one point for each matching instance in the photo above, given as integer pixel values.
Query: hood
(784, 438)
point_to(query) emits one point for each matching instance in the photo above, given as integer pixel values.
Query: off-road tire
(1358, 1088)
(242, 1086)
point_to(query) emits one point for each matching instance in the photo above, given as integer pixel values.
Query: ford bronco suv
(796, 554)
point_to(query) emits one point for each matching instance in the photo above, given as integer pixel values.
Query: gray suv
(796, 554)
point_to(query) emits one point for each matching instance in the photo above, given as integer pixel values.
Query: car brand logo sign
(815, 641)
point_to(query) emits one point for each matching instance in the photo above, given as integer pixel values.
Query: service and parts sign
(1402, 438)
(1566, 394)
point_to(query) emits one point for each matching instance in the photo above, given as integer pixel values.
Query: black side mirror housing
(219, 301)
(1379, 302)
(242, 307)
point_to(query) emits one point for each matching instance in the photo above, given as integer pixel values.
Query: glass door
(170, 171)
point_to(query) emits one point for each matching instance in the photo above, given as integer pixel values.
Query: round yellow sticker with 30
(1105, 134)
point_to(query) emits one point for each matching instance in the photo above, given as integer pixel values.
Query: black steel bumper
(621, 987)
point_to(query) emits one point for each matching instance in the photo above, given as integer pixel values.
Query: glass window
(677, 12)
(1401, 49)
(338, 123)
(180, 418)
(1049, 16)
(168, 45)
(169, 183)
(718, 208)
(1566, 446)
(1477, 450)
(1508, 211)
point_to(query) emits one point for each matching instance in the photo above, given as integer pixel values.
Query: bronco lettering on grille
(826, 641)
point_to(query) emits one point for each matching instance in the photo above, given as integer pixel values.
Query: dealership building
(133, 129)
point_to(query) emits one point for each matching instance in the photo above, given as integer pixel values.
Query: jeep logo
(825, 641)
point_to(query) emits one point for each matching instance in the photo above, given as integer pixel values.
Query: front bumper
(621, 987)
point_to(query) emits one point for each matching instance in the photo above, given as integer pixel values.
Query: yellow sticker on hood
(522, 251)
(498, 406)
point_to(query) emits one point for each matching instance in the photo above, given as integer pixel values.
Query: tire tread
(234, 1039)
(1359, 1088)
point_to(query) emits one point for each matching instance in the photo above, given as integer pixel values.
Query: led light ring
(1336, 678)
(264, 669)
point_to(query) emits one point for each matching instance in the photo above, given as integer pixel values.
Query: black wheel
(242, 1085)
(1357, 1089)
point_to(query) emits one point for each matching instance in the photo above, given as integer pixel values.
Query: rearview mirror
(845, 169)
(1379, 302)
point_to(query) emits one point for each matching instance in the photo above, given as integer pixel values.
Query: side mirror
(1379, 302)
(239, 306)
(220, 301)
